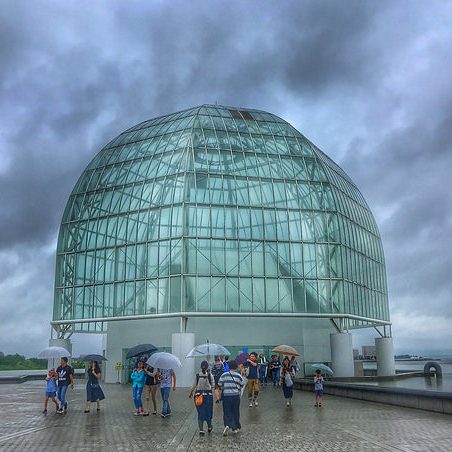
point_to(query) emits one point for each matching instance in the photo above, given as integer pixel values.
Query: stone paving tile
(341, 425)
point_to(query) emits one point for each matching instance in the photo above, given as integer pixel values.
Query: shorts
(50, 394)
(319, 392)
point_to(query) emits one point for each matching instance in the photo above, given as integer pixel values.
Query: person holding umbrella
(150, 389)
(165, 362)
(138, 378)
(287, 376)
(318, 387)
(202, 388)
(94, 392)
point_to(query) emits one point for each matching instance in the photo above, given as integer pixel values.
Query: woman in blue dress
(94, 392)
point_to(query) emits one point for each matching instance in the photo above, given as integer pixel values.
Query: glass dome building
(216, 211)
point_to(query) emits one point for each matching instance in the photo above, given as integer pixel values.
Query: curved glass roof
(217, 209)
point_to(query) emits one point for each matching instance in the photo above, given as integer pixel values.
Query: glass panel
(246, 295)
(271, 291)
(259, 294)
(232, 294)
(285, 295)
(218, 295)
(258, 258)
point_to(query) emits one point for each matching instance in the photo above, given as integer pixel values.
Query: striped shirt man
(232, 383)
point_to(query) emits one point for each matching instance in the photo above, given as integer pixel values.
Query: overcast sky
(368, 82)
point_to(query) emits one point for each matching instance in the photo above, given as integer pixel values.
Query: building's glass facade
(219, 210)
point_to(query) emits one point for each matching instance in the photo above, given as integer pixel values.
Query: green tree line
(19, 362)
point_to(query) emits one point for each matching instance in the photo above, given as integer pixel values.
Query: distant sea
(443, 384)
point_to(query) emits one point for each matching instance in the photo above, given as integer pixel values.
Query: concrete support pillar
(342, 354)
(65, 343)
(182, 343)
(385, 356)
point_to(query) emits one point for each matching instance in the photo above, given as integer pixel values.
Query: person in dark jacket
(65, 379)
(94, 392)
(217, 371)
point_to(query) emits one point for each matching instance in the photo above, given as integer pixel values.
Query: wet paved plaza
(340, 425)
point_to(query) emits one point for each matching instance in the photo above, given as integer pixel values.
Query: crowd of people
(222, 382)
(226, 380)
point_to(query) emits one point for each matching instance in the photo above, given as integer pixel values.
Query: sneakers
(209, 430)
(288, 404)
(86, 411)
(202, 433)
(145, 414)
(154, 413)
(65, 407)
(251, 404)
(256, 403)
(236, 431)
(226, 430)
(60, 411)
(44, 411)
(137, 413)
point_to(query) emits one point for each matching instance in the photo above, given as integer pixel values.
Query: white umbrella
(53, 352)
(324, 368)
(163, 360)
(208, 349)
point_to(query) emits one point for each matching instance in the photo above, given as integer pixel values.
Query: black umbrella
(141, 349)
(93, 357)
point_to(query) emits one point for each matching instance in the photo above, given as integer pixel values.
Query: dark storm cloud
(368, 82)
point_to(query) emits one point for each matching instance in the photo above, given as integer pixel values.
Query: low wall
(79, 373)
(440, 402)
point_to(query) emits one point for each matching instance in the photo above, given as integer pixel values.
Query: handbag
(199, 399)
(288, 380)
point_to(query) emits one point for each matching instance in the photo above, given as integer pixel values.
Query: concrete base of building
(182, 343)
(342, 354)
(309, 336)
(385, 356)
